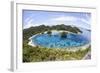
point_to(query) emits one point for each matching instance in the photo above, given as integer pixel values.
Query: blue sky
(35, 18)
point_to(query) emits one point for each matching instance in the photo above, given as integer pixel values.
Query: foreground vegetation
(37, 54)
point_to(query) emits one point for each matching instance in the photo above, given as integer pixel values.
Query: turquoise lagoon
(55, 40)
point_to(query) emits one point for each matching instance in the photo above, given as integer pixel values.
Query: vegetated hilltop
(42, 28)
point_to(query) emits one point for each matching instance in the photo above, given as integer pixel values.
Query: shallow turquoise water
(55, 41)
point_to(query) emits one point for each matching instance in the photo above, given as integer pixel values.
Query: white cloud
(68, 20)
(28, 18)
(28, 23)
(65, 18)
(28, 26)
(71, 18)
(85, 21)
